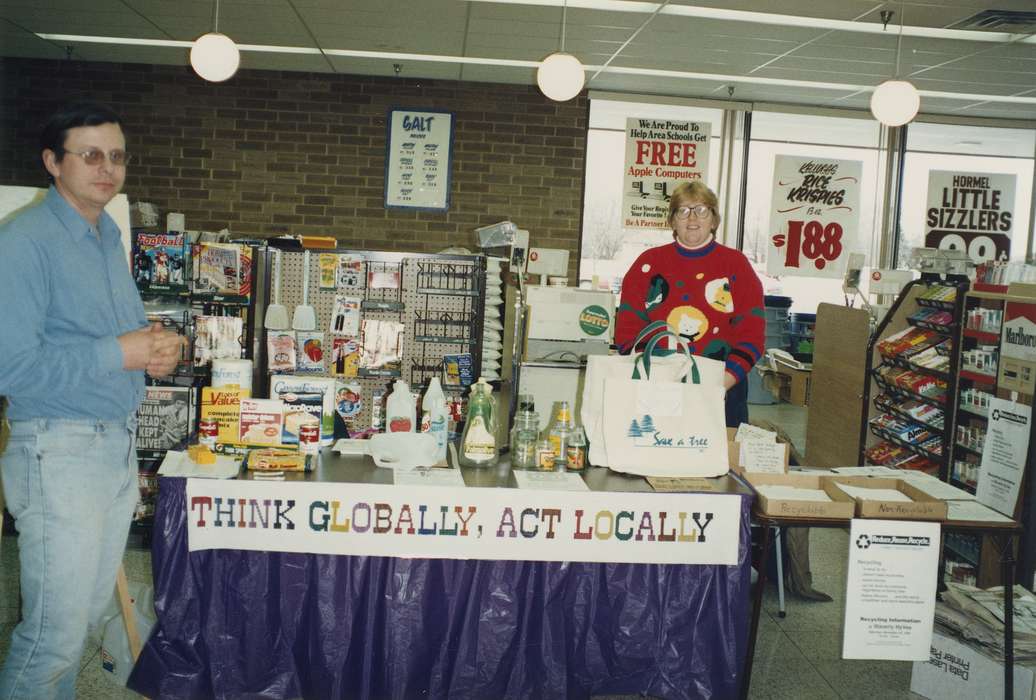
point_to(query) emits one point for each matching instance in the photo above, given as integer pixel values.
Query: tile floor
(797, 657)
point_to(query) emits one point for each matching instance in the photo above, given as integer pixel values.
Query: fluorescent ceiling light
(116, 40)
(476, 61)
(771, 18)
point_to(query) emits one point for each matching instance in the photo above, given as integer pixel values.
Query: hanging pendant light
(895, 102)
(214, 56)
(560, 75)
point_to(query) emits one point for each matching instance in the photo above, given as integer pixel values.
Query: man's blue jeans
(72, 488)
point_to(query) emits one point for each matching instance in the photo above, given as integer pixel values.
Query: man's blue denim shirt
(66, 293)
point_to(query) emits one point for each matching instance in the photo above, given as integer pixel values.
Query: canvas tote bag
(674, 427)
(600, 367)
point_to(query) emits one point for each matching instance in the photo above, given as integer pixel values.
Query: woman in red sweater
(706, 292)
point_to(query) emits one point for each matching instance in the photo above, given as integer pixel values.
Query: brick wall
(277, 152)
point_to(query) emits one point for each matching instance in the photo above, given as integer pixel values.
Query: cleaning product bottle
(400, 413)
(435, 416)
(478, 444)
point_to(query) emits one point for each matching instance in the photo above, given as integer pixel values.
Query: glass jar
(561, 425)
(575, 450)
(544, 455)
(524, 436)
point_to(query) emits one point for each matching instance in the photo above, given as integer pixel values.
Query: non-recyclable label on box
(917, 504)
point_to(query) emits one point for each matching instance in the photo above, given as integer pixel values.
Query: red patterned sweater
(710, 295)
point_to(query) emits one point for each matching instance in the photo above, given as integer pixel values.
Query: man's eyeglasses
(95, 156)
(700, 211)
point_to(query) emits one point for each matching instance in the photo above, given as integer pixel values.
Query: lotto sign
(814, 216)
(971, 212)
(660, 154)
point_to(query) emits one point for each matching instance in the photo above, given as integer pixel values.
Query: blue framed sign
(417, 161)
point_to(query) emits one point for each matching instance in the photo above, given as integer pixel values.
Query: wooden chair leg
(129, 617)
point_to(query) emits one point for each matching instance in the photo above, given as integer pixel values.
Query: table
(1003, 535)
(280, 625)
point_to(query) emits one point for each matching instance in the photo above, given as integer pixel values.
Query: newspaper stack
(977, 615)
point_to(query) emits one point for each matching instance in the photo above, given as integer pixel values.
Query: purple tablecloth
(237, 624)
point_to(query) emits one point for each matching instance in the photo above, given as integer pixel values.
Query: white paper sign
(471, 523)
(1003, 456)
(417, 165)
(814, 216)
(660, 154)
(550, 481)
(746, 432)
(972, 212)
(176, 463)
(935, 488)
(762, 457)
(890, 595)
(428, 477)
(875, 470)
(973, 511)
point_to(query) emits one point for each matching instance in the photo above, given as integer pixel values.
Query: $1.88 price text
(810, 240)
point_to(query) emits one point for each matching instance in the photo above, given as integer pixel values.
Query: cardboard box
(794, 384)
(223, 405)
(956, 671)
(734, 453)
(921, 506)
(841, 506)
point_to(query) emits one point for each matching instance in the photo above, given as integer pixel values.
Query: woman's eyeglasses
(700, 211)
(95, 156)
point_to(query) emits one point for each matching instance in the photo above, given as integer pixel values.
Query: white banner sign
(475, 523)
(1003, 455)
(890, 595)
(814, 216)
(660, 154)
(973, 212)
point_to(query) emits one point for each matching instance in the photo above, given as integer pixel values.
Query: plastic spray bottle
(435, 416)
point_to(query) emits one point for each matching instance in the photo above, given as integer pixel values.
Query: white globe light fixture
(895, 102)
(215, 57)
(560, 76)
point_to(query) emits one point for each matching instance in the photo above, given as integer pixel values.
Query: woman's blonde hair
(691, 191)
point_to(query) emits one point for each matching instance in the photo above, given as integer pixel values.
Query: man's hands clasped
(153, 349)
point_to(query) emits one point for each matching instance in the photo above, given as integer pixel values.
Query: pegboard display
(437, 299)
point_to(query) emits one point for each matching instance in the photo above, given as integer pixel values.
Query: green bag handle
(646, 331)
(649, 350)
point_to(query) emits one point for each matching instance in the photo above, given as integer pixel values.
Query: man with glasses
(706, 292)
(75, 347)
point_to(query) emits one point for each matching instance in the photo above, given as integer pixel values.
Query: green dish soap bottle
(478, 443)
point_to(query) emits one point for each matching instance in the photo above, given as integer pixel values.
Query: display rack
(982, 376)
(438, 300)
(178, 311)
(911, 378)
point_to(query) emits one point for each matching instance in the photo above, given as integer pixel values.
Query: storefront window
(822, 137)
(608, 247)
(973, 216)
